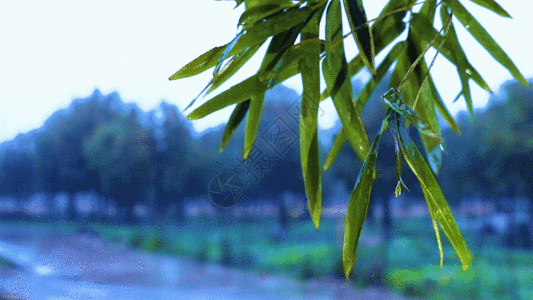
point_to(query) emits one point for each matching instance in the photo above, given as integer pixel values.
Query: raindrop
(467, 26)
(468, 71)
(441, 147)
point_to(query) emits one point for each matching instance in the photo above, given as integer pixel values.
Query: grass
(410, 267)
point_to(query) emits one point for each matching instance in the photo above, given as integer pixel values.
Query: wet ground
(83, 266)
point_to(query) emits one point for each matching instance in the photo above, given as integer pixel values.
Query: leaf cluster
(291, 30)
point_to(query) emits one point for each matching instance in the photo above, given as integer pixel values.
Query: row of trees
(101, 144)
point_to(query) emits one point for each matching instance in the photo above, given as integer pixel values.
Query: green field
(409, 264)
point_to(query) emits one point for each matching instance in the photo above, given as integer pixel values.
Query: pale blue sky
(54, 51)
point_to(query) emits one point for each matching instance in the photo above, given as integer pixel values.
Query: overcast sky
(54, 51)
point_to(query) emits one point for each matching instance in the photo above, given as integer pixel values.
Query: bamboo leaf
(483, 37)
(437, 204)
(257, 13)
(340, 139)
(395, 53)
(451, 49)
(394, 101)
(361, 31)
(492, 5)
(235, 120)
(225, 53)
(335, 70)
(254, 115)
(309, 150)
(200, 64)
(236, 94)
(358, 207)
(237, 61)
(254, 35)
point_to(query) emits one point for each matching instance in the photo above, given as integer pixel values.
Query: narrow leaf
(235, 120)
(358, 207)
(361, 31)
(340, 139)
(437, 204)
(256, 34)
(309, 150)
(254, 115)
(236, 94)
(393, 99)
(237, 61)
(451, 49)
(483, 37)
(492, 5)
(335, 70)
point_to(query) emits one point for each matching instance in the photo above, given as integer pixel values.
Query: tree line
(129, 156)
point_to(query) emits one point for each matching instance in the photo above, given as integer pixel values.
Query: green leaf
(358, 207)
(200, 64)
(437, 204)
(256, 34)
(254, 115)
(335, 70)
(395, 53)
(278, 47)
(236, 62)
(483, 37)
(361, 31)
(393, 99)
(340, 139)
(226, 52)
(235, 120)
(309, 150)
(492, 5)
(236, 94)
(259, 10)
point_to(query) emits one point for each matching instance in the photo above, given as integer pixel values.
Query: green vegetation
(498, 273)
(412, 100)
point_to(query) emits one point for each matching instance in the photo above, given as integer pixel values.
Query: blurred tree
(122, 154)
(61, 161)
(172, 159)
(17, 173)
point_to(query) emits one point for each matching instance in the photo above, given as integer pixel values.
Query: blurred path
(83, 266)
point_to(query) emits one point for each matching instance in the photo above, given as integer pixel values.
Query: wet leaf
(483, 37)
(437, 204)
(309, 149)
(256, 34)
(340, 139)
(236, 94)
(492, 5)
(361, 31)
(236, 62)
(335, 70)
(254, 115)
(358, 207)
(235, 120)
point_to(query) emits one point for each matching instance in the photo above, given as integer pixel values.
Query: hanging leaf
(492, 5)
(235, 120)
(236, 62)
(256, 34)
(361, 31)
(335, 70)
(309, 150)
(358, 207)
(236, 94)
(483, 37)
(254, 115)
(437, 204)
(340, 139)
